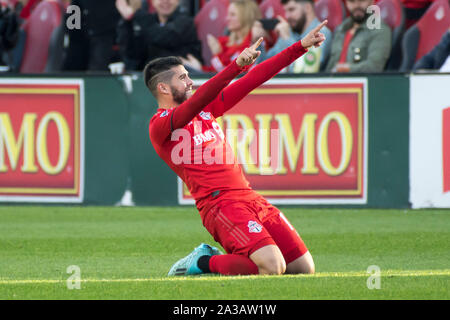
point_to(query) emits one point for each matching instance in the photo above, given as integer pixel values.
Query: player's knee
(273, 265)
(310, 268)
(304, 264)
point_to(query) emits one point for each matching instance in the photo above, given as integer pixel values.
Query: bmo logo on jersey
(208, 135)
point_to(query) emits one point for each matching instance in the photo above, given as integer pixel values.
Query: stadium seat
(271, 9)
(393, 14)
(425, 34)
(64, 4)
(211, 20)
(44, 37)
(333, 10)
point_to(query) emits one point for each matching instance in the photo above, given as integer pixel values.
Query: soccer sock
(228, 264)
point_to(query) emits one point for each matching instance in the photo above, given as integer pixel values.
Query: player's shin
(228, 264)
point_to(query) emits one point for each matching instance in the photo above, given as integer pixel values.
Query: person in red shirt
(257, 237)
(240, 17)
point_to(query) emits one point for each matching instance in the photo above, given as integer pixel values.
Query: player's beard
(360, 18)
(178, 95)
(300, 25)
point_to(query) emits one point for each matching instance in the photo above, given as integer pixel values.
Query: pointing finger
(257, 43)
(317, 29)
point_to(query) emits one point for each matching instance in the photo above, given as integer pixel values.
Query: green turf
(125, 253)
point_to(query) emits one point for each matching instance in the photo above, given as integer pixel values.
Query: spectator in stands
(300, 20)
(438, 58)
(240, 17)
(28, 7)
(9, 31)
(92, 47)
(356, 47)
(144, 36)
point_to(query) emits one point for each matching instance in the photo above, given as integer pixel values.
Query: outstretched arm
(235, 92)
(165, 122)
(204, 95)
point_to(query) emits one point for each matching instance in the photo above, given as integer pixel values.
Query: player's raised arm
(164, 76)
(208, 91)
(266, 70)
(204, 95)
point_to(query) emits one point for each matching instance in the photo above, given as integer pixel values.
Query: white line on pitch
(387, 273)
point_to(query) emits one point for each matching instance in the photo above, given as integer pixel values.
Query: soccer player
(257, 237)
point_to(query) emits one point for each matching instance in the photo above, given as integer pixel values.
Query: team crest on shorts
(254, 227)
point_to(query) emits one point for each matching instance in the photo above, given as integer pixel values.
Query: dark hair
(156, 71)
(283, 2)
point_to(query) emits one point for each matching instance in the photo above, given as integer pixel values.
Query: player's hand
(250, 54)
(314, 37)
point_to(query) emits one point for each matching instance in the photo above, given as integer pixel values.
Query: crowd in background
(133, 32)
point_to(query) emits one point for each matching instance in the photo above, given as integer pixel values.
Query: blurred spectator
(438, 58)
(414, 10)
(300, 20)
(240, 18)
(28, 7)
(356, 47)
(9, 32)
(144, 36)
(92, 47)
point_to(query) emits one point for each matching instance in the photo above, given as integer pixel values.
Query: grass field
(125, 253)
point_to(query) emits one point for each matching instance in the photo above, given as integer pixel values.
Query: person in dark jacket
(144, 36)
(92, 47)
(356, 46)
(436, 58)
(9, 31)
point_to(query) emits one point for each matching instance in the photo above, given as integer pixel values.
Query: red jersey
(194, 152)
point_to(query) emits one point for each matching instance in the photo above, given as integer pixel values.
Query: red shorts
(245, 224)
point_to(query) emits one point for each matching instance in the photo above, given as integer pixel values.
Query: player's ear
(163, 88)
